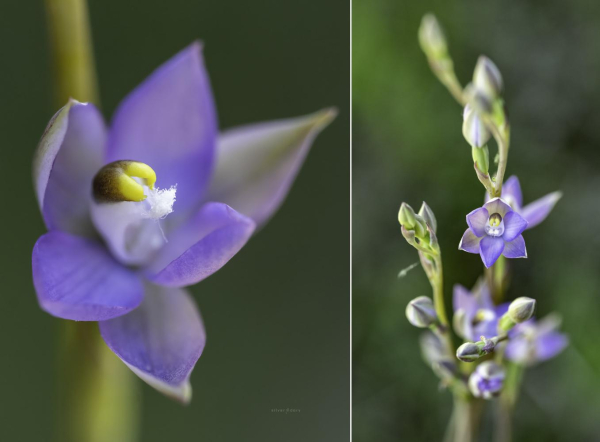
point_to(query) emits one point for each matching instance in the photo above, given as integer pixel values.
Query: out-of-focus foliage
(408, 146)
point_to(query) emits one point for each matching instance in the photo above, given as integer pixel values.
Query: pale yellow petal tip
(181, 393)
(325, 116)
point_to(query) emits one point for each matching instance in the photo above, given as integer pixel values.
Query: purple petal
(483, 296)
(69, 154)
(477, 220)
(469, 242)
(160, 341)
(511, 192)
(169, 122)
(515, 248)
(463, 299)
(202, 246)
(537, 211)
(257, 164)
(502, 308)
(514, 225)
(497, 205)
(518, 350)
(76, 278)
(549, 345)
(490, 250)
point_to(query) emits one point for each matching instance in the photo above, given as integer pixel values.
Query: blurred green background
(277, 316)
(408, 146)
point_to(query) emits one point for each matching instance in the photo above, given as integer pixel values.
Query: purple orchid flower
(475, 314)
(494, 229)
(535, 341)
(535, 212)
(125, 263)
(487, 380)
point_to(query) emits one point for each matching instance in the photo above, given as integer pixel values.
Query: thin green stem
(70, 35)
(97, 393)
(438, 291)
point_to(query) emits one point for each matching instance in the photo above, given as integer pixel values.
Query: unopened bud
(481, 157)
(428, 215)
(474, 130)
(431, 37)
(487, 78)
(420, 312)
(406, 216)
(469, 352)
(521, 309)
(487, 380)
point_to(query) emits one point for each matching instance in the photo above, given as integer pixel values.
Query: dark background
(408, 146)
(277, 316)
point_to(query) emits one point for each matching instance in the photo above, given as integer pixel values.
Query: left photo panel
(177, 262)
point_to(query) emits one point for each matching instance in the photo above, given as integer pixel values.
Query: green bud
(521, 309)
(481, 157)
(431, 37)
(487, 78)
(469, 352)
(420, 312)
(427, 214)
(420, 227)
(406, 217)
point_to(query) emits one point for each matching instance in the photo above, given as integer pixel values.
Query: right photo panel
(476, 221)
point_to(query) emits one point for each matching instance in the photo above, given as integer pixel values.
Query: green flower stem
(71, 39)
(98, 397)
(97, 393)
(506, 403)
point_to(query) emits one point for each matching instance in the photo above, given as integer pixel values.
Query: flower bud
(420, 312)
(487, 380)
(521, 309)
(411, 221)
(474, 131)
(469, 352)
(487, 78)
(406, 216)
(431, 37)
(428, 215)
(481, 157)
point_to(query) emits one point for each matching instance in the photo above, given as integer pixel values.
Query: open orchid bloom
(535, 212)
(535, 341)
(155, 203)
(475, 314)
(494, 229)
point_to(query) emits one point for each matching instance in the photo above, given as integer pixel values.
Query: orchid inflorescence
(499, 338)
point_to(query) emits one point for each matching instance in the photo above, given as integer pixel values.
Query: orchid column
(97, 393)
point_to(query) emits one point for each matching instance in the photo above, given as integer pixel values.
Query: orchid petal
(169, 123)
(67, 158)
(477, 220)
(463, 299)
(497, 205)
(515, 248)
(537, 211)
(203, 245)
(518, 350)
(490, 250)
(76, 278)
(160, 341)
(549, 345)
(511, 192)
(257, 164)
(514, 225)
(469, 242)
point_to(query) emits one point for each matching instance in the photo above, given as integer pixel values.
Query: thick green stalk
(97, 392)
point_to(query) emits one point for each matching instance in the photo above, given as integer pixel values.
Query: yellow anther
(495, 220)
(115, 182)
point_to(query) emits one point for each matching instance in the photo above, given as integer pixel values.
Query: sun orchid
(119, 248)
(535, 212)
(494, 229)
(536, 341)
(475, 314)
